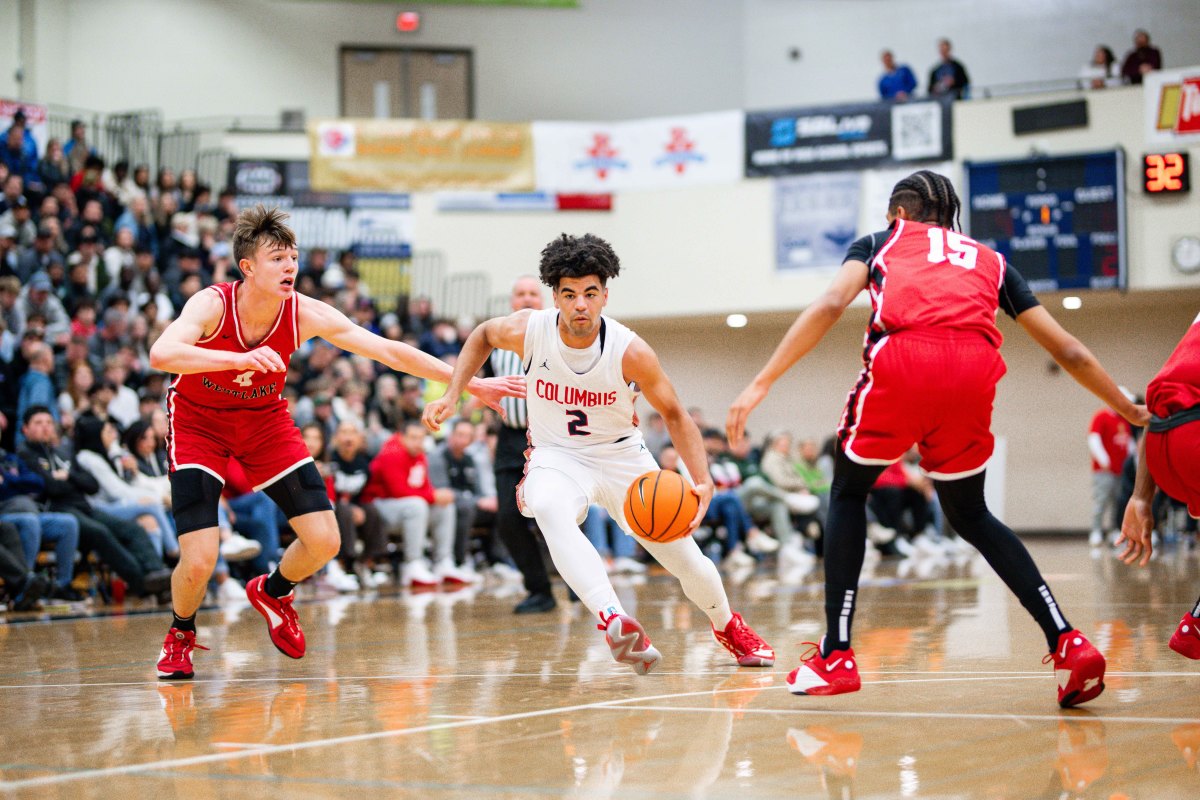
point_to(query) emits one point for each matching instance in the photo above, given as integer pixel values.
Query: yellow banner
(404, 155)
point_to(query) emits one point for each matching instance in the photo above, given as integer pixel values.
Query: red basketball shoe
(836, 673)
(1079, 668)
(1186, 639)
(175, 660)
(744, 644)
(282, 621)
(629, 642)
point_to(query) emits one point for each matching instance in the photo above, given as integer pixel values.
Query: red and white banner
(654, 153)
(522, 201)
(35, 120)
(1172, 106)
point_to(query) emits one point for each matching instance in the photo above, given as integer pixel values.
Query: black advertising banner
(266, 178)
(846, 137)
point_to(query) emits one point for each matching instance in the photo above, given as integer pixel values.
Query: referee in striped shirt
(514, 529)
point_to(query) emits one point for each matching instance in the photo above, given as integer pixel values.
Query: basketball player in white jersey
(581, 369)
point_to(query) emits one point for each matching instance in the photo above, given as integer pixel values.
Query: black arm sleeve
(1015, 295)
(865, 248)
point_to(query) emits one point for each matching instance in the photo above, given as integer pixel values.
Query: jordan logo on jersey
(570, 396)
(545, 364)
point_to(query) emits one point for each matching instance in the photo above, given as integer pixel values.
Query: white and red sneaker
(744, 644)
(836, 673)
(1079, 668)
(1186, 639)
(175, 659)
(629, 642)
(282, 621)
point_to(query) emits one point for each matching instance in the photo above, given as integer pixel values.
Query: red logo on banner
(1189, 107)
(603, 156)
(680, 145)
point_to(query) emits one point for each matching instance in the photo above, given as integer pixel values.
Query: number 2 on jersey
(243, 379)
(963, 251)
(577, 425)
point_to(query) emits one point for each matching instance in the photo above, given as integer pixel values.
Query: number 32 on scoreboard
(1166, 173)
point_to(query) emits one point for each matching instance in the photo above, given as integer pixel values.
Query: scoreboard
(1060, 220)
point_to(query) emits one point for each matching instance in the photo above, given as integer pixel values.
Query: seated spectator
(37, 528)
(12, 311)
(725, 510)
(37, 387)
(17, 158)
(334, 573)
(20, 217)
(1101, 71)
(399, 486)
(948, 78)
(42, 256)
(727, 478)
(122, 545)
(1141, 59)
(23, 588)
(467, 472)
(77, 149)
(123, 408)
(655, 433)
(897, 82)
(54, 169)
(780, 468)
(10, 253)
(98, 450)
(37, 298)
(809, 468)
(116, 258)
(765, 501)
(357, 520)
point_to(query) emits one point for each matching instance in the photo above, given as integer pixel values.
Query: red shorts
(1174, 462)
(932, 391)
(265, 441)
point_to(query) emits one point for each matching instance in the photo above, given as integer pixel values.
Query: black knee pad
(301, 491)
(195, 495)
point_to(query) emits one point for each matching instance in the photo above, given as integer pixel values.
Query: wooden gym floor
(449, 695)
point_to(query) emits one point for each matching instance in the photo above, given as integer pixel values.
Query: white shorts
(603, 473)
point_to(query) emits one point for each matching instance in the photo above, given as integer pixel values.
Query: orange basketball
(660, 505)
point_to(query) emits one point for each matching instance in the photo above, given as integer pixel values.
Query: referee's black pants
(514, 529)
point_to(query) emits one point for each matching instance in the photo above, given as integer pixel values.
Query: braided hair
(927, 197)
(576, 257)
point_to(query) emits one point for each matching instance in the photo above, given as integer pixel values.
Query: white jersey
(572, 410)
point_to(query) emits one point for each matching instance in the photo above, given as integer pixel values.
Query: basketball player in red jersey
(230, 347)
(932, 362)
(1169, 459)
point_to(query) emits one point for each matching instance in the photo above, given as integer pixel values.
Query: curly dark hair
(576, 257)
(927, 197)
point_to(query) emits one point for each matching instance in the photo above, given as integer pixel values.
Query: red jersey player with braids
(931, 364)
(1169, 459)
(230, 348)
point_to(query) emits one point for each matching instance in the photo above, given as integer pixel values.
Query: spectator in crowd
(98, 450)
(948, 78)
(655, 433)
(23, 588)
(40, 258)
(77, 149)
(399, 486)
(38, 298)
(54, 168)
(20, 217)
(17, 158)
(122, 545)
(1143, 58)
(897, 81)
(116, 258)
(357, 520)
(37, 388)
(12, 311)
(1108, 440)
(335, 573)
(10, 252)
(137, 218)
(779, 466)
(20, 121)
(725, 511)
(19, 485)
(1101, 71)
(14, 187)
(728, 478)
(467, 472)
(809, 468)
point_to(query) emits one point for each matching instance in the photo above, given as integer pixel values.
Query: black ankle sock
(277, 585)
(1196, 609)
(184, 623)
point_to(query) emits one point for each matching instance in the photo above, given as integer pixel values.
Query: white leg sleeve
(557, 502)
(697, 575)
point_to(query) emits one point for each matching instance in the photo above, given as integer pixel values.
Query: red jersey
(395, 472)
(1177, 384)
(251, 388)
(930, 279)
(1114, 436)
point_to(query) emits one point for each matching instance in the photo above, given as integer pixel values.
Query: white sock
(697, 575)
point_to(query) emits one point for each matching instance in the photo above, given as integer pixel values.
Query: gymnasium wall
(611, 59)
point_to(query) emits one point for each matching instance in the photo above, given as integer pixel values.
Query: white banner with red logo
(35, 120)
(654, 153)
(1172, 106)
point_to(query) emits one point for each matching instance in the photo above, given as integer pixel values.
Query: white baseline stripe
(912, 714)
